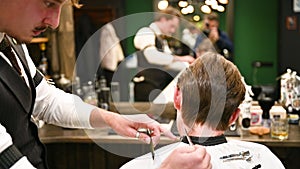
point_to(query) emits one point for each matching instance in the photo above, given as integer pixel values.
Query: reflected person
(157, 64)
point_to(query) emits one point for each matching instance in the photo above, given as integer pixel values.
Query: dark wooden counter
(78, 148)
(292, 141)
(54, 134)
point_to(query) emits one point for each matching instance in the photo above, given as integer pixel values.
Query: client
(207, 97)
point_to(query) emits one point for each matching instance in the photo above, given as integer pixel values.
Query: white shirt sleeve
(55, 106)
(22, 163)
(5, 142)
(145, 39)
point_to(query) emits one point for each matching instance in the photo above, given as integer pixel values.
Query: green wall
(133, 7)
(255, 35)
(256, 38)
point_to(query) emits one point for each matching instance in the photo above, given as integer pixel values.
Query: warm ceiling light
(205, 9)
(221, 8)
(184, 11)
(163, 4)
(214, 2)
(223, 1)
(190, 8)
(215, 6)
(196, 18)
(210, 2)
(182, 4)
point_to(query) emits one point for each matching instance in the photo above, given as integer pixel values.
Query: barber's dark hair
(213, 16)
(212, 89)
(168, 13)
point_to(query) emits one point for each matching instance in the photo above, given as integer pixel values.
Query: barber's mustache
(41, 28)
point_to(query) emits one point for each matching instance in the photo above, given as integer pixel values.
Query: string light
(190, 9)
(221, 8)
(183, 4)
(187, 5)
(184, 11)
(196, 18)
(223, 2)
(163, 4)
(205, 9)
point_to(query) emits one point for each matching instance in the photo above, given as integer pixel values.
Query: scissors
(149, 133)
(188, 137)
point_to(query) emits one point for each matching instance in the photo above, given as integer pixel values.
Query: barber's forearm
(101, 118)
(154, 56)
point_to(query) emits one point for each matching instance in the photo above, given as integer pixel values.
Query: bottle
(77, 87)
(90, 96)
(104, 98)
(63, 83)
(102, 82)
(43, 65)
(245, 112)
(115, 91)
(131, 92)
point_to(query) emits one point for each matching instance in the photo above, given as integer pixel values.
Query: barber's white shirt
(260, 155)
(52, 105)
(145, 40)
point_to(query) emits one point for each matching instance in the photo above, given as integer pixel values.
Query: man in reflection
(219, 38)
(207, 97)
(155, 58)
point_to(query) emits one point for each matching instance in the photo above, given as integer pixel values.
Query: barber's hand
(188, 157)
(127, 125)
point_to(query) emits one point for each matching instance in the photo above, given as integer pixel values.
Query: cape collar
(206, 141)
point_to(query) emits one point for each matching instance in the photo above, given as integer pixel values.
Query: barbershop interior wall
(256, 30)
(289, 38)
(255, 36)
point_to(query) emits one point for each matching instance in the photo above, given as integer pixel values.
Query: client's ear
(234, 115)
(177, 98)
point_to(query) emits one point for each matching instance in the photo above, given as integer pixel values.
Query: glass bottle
(90, 95)
(104, 98)
(43, 65)
(131, 92)
(77, 87)
(102, 82)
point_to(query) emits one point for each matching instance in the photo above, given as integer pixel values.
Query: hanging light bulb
(215, 6)
(184, 11)
(221, 8)
(208, 2)
(205, 9)
(190, 9)
(223, 1)
(182, 4)
(196, 18)
(163, 4)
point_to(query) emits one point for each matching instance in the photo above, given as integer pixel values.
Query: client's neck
(204, 131)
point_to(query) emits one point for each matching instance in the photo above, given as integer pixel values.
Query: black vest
(156, 76)
(16, 106)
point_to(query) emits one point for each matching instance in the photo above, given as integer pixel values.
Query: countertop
(54, 134)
